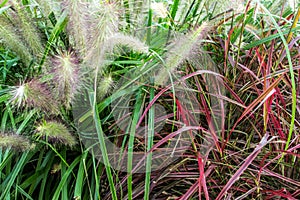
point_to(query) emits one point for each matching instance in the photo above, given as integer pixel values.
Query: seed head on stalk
(56, 133)
(15, 142)
(34, 94)
(65, 71)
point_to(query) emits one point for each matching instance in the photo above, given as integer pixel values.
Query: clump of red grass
(258, 157)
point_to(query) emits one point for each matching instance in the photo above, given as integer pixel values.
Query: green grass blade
(57, 153)
(80, 177)
(103, 149)
(149, 24)
(135, 119)
(21, 191)
(96, 184)
(10, 180)
(11, 116)
(269, 38)
(25, 121)
(4, 120)
(64, 192)
(174, 9)
(3, 3)
(150, 135)
(59, 27)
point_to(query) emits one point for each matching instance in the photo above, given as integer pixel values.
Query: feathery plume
(180, 50)
(106, 83)
(115, 45)
(65, 70)
(104, 23)
(79, 26)
(159, 9)
(56, 133)
(123, 40)
(28, 29)
(11, 39)
(15, 142)
(34, 94)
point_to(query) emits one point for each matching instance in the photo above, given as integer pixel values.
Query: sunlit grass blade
(174, 9)
(10, 180)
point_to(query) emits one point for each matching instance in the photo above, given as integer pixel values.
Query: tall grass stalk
(150, 137)
(102, 145)
(136, 115)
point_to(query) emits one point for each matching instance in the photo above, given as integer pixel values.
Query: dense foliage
(149, 99)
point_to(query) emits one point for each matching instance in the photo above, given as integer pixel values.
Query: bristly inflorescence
(79, 25)
(34, 94)
(20, 33)
(11, 38)
(15, 141)
(104, 23)
(28, 29)
(183, 48)
(56, 133)
(104, 86)
(66, 78)
(95, 39)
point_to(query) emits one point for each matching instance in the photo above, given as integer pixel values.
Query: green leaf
(103, 149)
(80, 176)
(269, 38)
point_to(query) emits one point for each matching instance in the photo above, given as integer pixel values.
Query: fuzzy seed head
(121, 40)
(65, 67)
(104, 86)
(34, 94)
(104, 23)
(159, 9)
(11, 39)
(15, 142)
(180, 50)
(19, 95)
(56, 133)
(28, 29)
(78, 26)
